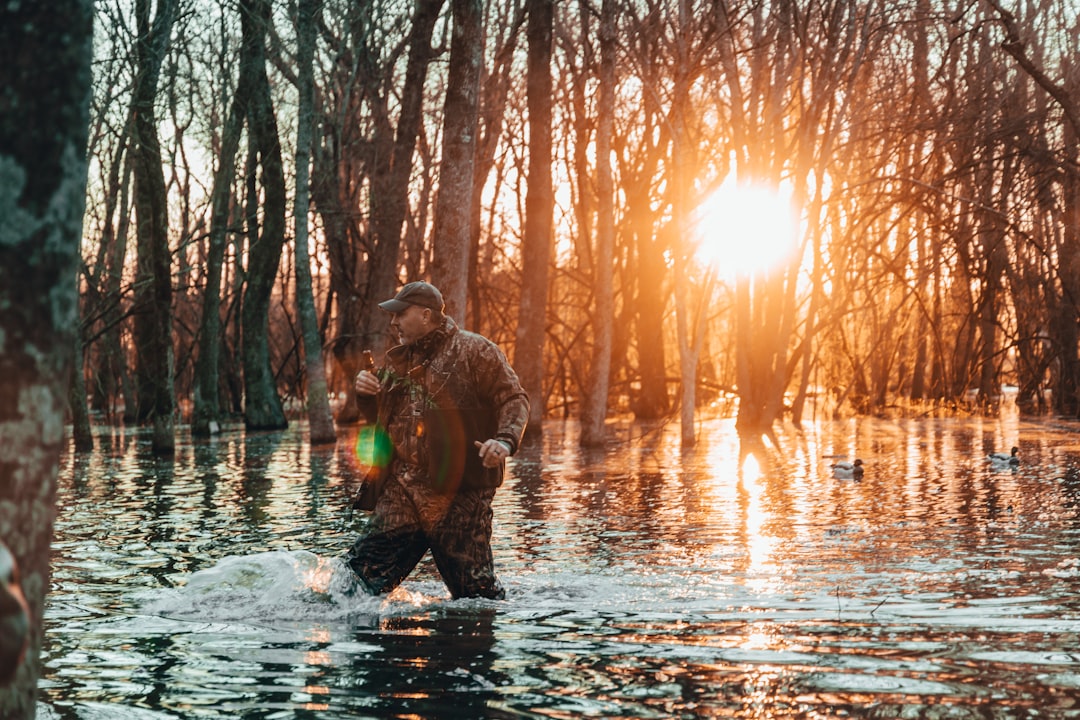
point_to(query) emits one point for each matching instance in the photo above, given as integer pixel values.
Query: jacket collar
(423, 349)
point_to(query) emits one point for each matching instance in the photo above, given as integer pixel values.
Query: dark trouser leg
(461, 547)
(394, 545)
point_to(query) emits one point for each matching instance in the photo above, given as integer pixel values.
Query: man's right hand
(366, 383)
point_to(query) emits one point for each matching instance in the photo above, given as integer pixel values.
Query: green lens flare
(373, 446)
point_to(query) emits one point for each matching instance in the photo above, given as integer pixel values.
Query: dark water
(644, 581)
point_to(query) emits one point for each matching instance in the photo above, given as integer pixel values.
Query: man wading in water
(453, 410)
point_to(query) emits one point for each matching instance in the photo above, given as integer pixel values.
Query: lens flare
(373, 446)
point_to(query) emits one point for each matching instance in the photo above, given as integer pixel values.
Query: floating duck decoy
(1003, 460)
(845, 470)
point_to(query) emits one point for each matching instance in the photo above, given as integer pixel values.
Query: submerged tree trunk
(206, 419)
(262, 406)
(320, 419)
(109, 376)
(594, 409)
(652, 401)
(42, 193)
(153, 292)
(451, 231)
(539, 209)
(207, 412)
(81, 432)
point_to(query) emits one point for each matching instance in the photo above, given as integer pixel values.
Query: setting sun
(744, 228)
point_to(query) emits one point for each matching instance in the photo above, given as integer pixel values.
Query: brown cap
(415, 293)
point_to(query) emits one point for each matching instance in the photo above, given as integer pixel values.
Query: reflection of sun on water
(761, 572)
(737, 492)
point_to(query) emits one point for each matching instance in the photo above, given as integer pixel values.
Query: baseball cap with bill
(414, 293)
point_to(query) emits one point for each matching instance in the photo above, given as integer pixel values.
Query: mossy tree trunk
(45, 52)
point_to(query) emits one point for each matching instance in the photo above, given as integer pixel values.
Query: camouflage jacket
(441, 394)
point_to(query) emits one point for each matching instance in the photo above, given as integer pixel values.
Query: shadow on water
(644, 580)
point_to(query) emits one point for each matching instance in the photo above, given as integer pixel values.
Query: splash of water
(278, 585)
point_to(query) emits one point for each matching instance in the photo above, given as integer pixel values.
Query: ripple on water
(649, 580)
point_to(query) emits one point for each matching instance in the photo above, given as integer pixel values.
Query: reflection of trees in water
(253, 490)
(436, 665)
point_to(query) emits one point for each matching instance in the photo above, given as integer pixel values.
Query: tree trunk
(320, 419)
(539, 209)
(491, 117)
(42, 191)
(262, 406)
(153, 294)
(451, 231)
(652, 401)
(110, 373)
(594, 409)
(81, 433)
(348, 339)
(206, 419)
(681, 167)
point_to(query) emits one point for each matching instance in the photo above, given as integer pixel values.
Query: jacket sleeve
(509, 401)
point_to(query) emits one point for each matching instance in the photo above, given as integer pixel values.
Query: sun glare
(745, 229)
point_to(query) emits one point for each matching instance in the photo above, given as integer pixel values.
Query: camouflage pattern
(440, 395)
(410, 518)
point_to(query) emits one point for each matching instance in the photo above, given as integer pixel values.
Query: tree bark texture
(45, 53)
(206, 419)
(153, 294)
(262, 406)
(320, 419)
(539, 208)
(594, 410)
(460, 127)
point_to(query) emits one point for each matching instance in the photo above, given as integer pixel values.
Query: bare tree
(320, 419)
(1065, 327)
(451, 232)
(595, 405)
(262, 405)
(361, 147)
(153, 294)
(207, 411)
(390, 181)
(536, 246)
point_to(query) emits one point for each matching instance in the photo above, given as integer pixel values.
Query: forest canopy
(263, 173)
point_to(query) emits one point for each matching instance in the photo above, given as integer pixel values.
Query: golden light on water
(751, 469)
(759, 545)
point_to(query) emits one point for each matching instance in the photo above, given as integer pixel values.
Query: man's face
(411, 324)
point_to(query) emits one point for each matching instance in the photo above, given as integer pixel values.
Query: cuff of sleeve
(508, 441)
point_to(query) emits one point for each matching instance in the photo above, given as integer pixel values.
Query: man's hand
(366, 383)
(493, 452)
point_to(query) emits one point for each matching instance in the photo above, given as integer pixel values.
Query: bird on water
(1005, 460)
(845, 470)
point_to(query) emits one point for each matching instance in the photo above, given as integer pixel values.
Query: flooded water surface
(644, 581)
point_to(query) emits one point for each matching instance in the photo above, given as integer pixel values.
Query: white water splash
(281, 585)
